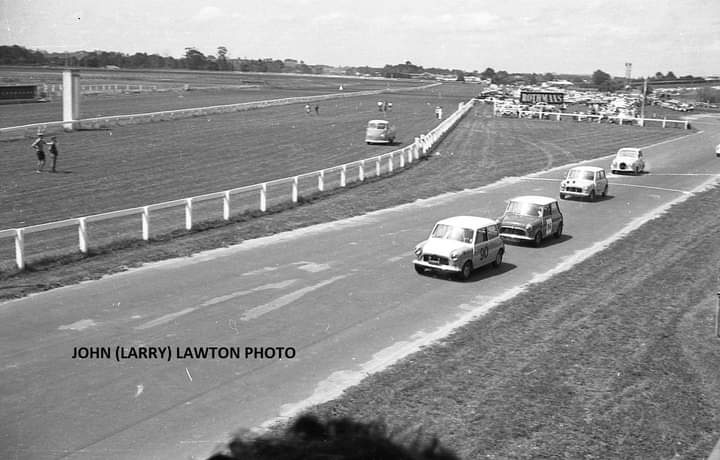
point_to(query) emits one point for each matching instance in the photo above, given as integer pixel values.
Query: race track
(342, 296)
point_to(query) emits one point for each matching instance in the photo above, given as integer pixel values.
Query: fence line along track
(256, 197)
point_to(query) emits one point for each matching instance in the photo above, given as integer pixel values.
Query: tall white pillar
(71, 99)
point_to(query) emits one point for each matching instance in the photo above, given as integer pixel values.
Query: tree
(488, 73)
(222, 58)
(460, 75)
(670, 76)
(194, 59)
(599, 78)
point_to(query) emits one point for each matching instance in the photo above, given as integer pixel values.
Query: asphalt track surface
(343, 295)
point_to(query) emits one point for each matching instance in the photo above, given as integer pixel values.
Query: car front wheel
(592, 195)
(538, 239)
(419, 269)
(467, 269)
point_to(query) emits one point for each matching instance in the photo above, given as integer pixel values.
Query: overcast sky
(560, 36)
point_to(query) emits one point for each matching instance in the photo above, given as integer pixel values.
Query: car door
(601, 182)
(480, 250)
(547, 219)
(494, 243)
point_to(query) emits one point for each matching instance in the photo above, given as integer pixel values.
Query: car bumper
(577, 194)
(515, 237)
(437, 267)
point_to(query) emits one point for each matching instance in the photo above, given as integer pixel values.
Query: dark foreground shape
(308, 438)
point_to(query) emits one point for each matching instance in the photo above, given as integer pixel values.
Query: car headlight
(418, 252)
(528, 227)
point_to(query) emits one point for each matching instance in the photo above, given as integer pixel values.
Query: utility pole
(642, 103)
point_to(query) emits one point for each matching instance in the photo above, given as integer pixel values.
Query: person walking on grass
(39, 147)
(53, 149)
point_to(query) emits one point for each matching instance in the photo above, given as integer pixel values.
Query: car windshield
(378, 125)
(627, 153)
(450, 232)
(523, 208)
(579, 174)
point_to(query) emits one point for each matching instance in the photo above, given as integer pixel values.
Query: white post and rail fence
(256, 197)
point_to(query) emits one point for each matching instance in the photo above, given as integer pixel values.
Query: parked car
(531, 219)
(628, 160)
(585, 182)
(458, 245)
(379, 132)
(717, 150)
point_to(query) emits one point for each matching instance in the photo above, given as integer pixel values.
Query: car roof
(586, 168)
(632, 149)
(378, 121)
(468, 221)
(534, 199)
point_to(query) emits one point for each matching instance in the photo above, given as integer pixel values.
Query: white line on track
(215, 300)
(622, 184)
(286, 299)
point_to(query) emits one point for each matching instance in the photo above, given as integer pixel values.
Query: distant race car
(584, 181)
(717, 150)
(379, 132)
(531, 219)
(458, 245)
(628, 160)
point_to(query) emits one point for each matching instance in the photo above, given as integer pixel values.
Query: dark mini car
(531, 219)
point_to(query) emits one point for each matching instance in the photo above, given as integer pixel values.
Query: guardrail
(31, 130)
(288, 189)
(513, 111)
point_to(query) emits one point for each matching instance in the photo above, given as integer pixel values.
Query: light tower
(628, 73)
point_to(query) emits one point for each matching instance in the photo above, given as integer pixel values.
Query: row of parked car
(459, 245)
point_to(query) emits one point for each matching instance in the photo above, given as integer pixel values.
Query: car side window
(555, 208)
(492, 232)
(546, 210)
(481, 236)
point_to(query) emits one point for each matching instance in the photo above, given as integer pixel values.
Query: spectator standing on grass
(53, 149)
(317, 109)
(307, 109)
(39, 147)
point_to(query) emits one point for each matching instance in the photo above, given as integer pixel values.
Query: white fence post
(188, 213)
(402, 158)
(390, 163)
(226, 205)
(295, 189)
(377, 166)
(20, 248)
(361, 172)
(146, 223)
(343, 178)
(321, 181)
(82, 235)
(263, 197)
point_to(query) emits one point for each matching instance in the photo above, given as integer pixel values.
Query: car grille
(512, 231)
(573, 189)
(435, 260)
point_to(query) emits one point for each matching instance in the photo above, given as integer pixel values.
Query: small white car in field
(458, 245)
(585, 182)
(379, 132)
(717, 150)
(628, 160)
(531, 219)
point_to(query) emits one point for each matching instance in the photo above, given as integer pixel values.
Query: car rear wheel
(604, 193)
(558, 232)
(538, 239)
(466, 271)
(498, 258)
